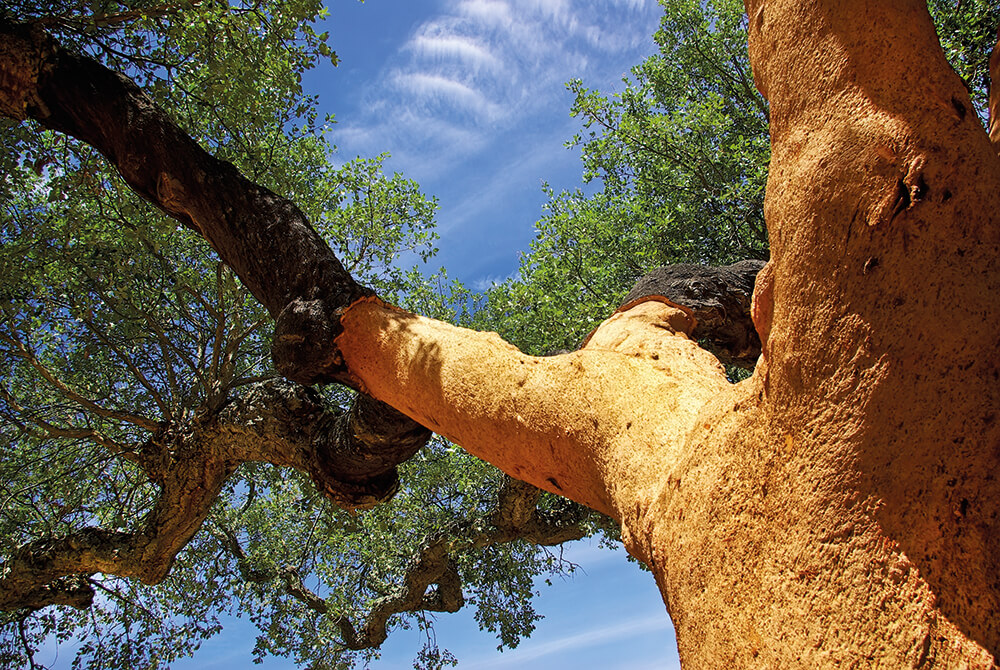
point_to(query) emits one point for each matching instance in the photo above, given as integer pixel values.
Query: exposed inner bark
(840, 507)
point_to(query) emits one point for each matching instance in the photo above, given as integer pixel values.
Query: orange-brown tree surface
(840, 508)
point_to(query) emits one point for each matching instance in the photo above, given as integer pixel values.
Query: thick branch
(275, 422)
(249, 226)
(49, 571)
(564, 423)
(351, 456)
(265, 238)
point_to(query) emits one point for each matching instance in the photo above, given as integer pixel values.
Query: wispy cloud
(598, 635)
(438, 44)
(481, 67)
(488, 282)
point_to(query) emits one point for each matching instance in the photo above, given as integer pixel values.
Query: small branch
(21, 350)
(51, 430)
(50, 571)
(131, 366)
(105, 20)
(515, 517)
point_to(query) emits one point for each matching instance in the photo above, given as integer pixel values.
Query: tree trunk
(841, 508)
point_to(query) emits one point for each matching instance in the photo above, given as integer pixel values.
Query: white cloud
(430, 88)
(471, 79)
(471, 53)
(484, 283)
(622, 630)
(490, 13)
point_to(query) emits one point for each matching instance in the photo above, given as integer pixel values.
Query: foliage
(115, 320)
(967, 31)
(679, 159)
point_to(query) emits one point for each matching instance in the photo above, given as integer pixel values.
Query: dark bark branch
(719, 298)
(351, 456)
(265, 238)
(515, 518)
(276, 422)
(50, 571)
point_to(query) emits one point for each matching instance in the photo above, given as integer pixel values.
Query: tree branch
(247, 225)
(516, 517)
(276, 422)
(352, 461)
(50, 571)
(556, 421)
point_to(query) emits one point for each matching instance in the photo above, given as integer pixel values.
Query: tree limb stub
(719, 299)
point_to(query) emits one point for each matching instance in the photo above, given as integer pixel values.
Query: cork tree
(839, 507)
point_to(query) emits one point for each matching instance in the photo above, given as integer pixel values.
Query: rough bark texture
(994, 103)
(719, 299)
(840, 508)
(265, 238)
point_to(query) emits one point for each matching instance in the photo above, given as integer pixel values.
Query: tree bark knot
(304, 348)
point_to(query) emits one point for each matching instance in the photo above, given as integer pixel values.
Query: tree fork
(263, 237)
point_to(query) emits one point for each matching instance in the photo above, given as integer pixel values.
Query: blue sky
(468, 96)
(608, 615)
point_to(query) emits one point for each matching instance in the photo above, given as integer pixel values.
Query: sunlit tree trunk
(841, 508)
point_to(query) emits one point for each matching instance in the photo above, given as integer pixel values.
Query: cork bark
(840, 508)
